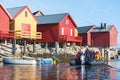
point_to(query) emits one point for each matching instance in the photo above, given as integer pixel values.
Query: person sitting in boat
(87, 54)
(78, 56)
(97, 56)
(92, 54)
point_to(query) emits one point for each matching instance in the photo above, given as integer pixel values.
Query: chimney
(105, 25)
(101, 26)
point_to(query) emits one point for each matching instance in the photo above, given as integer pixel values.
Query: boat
(42, 61)
(74, 61)
(94, 62)
(18, 61)
(38, 60)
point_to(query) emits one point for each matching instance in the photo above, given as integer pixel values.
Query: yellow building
(23, 23)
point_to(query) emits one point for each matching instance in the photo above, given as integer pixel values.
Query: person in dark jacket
(87, 54)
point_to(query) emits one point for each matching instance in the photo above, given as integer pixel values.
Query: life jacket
(97, 57)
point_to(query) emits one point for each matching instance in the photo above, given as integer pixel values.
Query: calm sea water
(62, 71)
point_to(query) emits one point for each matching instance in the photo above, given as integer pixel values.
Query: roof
(50, 19)
(14, 11)
(38, 13)
(84, 29)
(104, 29)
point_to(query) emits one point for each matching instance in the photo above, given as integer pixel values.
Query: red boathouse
(85, 32)
(102, 36)
(59, 28)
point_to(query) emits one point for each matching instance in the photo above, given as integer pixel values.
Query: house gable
(85, 32)
(4, 19)
(113, 36)
(23, 20)
(68, 25)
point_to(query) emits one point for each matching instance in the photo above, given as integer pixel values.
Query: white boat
(18, 61)
(38, 60)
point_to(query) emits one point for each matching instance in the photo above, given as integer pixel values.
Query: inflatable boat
(90, 62)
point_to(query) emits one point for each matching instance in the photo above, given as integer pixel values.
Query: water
(62, 71)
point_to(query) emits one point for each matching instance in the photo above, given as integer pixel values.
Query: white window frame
(71, 32)
(62, 31)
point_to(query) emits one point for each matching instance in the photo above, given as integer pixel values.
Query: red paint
(108, 38)
(113, 36)
(4, 19)
(86, 37)
(53, 32)
(4, 24)
(100, 39)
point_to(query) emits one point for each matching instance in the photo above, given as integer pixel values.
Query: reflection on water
(58, 72)
(17, 72)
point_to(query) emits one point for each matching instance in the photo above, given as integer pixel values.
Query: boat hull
(91, 62)
(18, 61)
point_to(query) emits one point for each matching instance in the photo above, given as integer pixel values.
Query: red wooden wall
(4, 20)
(113, 36)
(67, 27)
(84, 38)
(49, 32)
(108, 38)
(100, 39)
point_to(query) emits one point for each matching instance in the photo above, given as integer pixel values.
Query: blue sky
(84, 12)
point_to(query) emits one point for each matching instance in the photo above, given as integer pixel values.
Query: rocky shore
(64, 55)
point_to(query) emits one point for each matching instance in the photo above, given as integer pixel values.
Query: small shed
(104, 36)
(85, 33)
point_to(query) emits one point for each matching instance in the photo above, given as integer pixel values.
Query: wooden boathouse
(24, 25)
(103, 35)
(85, 32)
(58, 29)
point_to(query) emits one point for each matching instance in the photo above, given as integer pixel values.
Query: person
(97, 56)
(78, 56)
(92, 54)
(87, 54)
(106, 55)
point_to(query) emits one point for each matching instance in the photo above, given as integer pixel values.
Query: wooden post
(24, 45)
(57, 47)
(34, 43)
(40, 45)
(46, 47)
(14, 47)
(5, 41)
(65, 45)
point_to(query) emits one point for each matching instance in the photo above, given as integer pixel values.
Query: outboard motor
(56, 59)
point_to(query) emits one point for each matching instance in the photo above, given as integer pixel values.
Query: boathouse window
(25, 28)
(71, 32)
(67, 21)
(62, 31)
(26, 13)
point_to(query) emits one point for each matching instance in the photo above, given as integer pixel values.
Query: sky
(83, 12)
